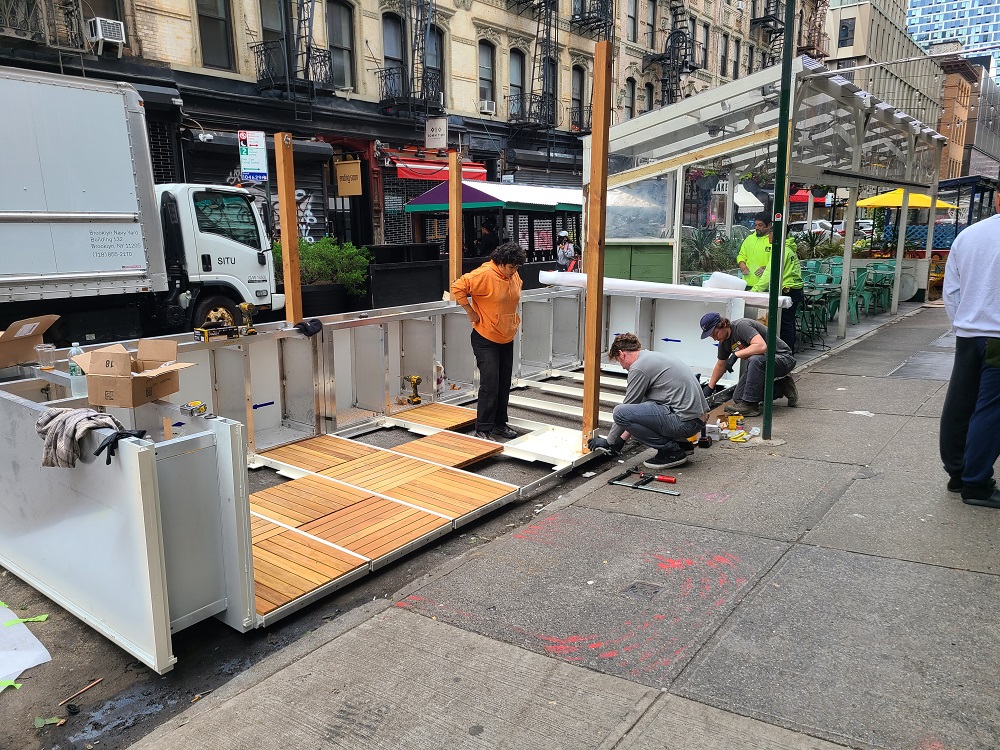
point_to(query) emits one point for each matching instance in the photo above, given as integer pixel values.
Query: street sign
(253, 155)
(436, 133)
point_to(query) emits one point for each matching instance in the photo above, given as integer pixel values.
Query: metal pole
(780, 190)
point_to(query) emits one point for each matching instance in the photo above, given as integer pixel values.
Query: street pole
(780, 200)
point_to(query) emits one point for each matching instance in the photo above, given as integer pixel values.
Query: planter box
(324, 299)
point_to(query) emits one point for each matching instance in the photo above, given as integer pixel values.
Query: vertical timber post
(454, 217)
(288, 216)
(780, 192)
(593, 251)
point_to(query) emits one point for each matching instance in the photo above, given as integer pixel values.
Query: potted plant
(331, 274)
(704, 178)
(819, 191)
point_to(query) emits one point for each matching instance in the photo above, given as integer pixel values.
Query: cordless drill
(414, 380)
(249, 309)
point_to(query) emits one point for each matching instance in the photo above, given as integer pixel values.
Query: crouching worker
(664, 404)
(746, 339)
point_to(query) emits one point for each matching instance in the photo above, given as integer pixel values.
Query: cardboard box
(214, 334)
(17, 343)
(118, 377)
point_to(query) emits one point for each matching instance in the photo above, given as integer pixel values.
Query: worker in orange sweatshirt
(490, 296)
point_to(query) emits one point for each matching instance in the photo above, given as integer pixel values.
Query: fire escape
(678, 56)
(293, 68)
(55, 24)
(769, 17)
(817, 41)
(535, 107)
(596, 19)
(415, 90)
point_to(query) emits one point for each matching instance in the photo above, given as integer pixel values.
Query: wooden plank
(593, 254)
(375, 528)
(450, 449)
(302, 500)
(289, 230)
(444, 416)
(454, 217)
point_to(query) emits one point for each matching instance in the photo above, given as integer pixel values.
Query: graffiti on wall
(309, 226)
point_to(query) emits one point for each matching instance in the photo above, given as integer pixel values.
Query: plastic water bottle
(77, 379)
(439, 379)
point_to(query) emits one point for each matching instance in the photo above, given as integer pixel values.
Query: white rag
(63, 429)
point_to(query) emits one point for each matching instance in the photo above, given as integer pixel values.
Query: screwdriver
(658, 478)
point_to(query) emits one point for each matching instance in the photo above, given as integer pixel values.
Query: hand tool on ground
(414, 380)
(194, 408)
(644, 481)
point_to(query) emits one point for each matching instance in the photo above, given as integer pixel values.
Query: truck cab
(217, 252)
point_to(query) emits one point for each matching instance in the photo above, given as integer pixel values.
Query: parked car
(862, 228)
(819, 226)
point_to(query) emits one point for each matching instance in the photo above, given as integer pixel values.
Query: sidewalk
(822, 591)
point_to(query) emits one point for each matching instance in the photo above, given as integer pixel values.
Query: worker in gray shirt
(664, 404)
(746, 340)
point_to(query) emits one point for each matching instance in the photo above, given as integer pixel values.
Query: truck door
(229, 248)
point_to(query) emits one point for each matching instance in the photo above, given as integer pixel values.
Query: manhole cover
(640, 590)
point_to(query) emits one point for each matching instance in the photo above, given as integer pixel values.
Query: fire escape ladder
(678, 56)
(817, 40)
(302, 68)
(542, 85)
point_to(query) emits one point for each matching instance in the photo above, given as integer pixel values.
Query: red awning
(803, 196)
(435, 171)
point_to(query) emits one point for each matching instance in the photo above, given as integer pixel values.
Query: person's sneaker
(983, 495)
(482, 435)
(745, 408)
(505, 432)
(665, 459)
(791, 391)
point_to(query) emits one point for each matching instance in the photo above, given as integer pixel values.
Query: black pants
(972, 389)
(787, 331)
(496, 364)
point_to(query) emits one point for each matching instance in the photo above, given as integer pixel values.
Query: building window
(750, 52)
(576, 103)
(651, 24)
(105, 9)
(629, 98)
(516, 82)
(704, 46)
(632, 21)
(736, 58)
(724, 55)
(393, 55)
(340, 39)
(215, 29)
(845, 37)
(486, 56)
(271, 27)
(649, 90)
(434, 62)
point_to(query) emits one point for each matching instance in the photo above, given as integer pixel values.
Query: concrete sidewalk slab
(861, 650)
(870, 362)
(404, 681)
(933, 406)
(902, 510)
(674, 723)
(748, 491)
(833, 436)
(626, 596)
(852, 393)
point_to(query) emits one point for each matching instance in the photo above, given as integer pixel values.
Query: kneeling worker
(664, 404)
(746, 339)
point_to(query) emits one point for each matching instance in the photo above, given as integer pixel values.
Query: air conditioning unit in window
(487, 107)
(106, 31)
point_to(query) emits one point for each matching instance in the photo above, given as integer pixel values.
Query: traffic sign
(253, 155)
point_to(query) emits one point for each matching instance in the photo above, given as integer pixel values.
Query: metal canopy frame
(841, 135)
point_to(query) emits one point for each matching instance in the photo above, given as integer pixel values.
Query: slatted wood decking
(360, 503)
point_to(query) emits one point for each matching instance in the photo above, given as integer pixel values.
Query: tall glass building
(975, 23)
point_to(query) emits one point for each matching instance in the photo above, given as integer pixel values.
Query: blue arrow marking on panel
(676, 341)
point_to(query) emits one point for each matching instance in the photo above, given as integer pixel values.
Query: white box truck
(85, 233)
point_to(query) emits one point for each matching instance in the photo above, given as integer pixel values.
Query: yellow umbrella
(894, 199)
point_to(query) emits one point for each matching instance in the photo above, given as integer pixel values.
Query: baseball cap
(709, 322)
(564, 233)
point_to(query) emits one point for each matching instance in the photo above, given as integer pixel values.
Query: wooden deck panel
(450, 449)
(321, 452)
(302, 500)
(442, 416)
(375, 527)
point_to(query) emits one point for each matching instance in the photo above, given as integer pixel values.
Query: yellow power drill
(414, 380)
(249, 309)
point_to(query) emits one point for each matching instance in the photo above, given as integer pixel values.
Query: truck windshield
(229, 215)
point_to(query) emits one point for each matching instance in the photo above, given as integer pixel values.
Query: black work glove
(707, 390)
(731, 362)
(600, 443)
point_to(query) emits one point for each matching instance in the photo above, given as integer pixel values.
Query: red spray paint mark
(928, 743)
(545, 531)
(718, 497)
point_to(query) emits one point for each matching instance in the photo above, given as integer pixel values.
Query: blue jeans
(655, 425)
(982, 442)
(750, 388)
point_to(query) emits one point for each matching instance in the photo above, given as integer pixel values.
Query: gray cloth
(661, 379)
(63, 429)
(742, 332)
(750, 388)
(656, 425)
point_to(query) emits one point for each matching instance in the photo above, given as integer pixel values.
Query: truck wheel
(216, 308)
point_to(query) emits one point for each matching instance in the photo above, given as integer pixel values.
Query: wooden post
(288, 216)
(454, 217)
(593, 250)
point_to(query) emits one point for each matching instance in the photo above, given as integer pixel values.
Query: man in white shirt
(969, 438)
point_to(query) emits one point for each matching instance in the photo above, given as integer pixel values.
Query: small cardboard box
(17, 343)
(118, 377)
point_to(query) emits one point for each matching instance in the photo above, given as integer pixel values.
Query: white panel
(395, 353)
(36, 253)
(266, 379)
(97, 246)
(369, 369)
(343, 368)
(418, 353)
(459, 361)
(299, 392)
(676, 331)
(566, 326)
(536, 335)
(21, 188)
(88, 538)
(621, 317)
(230, 393)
